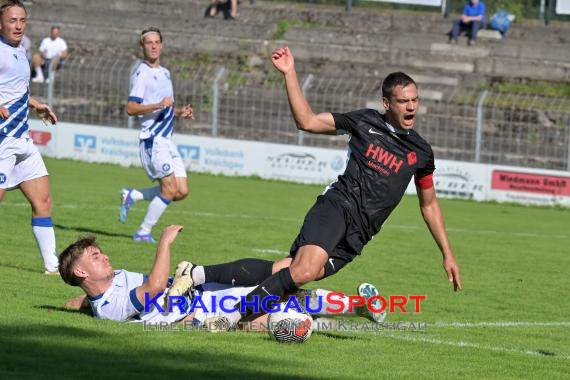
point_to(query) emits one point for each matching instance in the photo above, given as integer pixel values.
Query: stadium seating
(358, 48)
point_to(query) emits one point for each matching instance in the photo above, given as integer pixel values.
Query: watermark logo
(335, 303)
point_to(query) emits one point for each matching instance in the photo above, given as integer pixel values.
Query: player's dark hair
(55, 27)
(5, 4)
(393, 80)
(151, 29)
(71, 255)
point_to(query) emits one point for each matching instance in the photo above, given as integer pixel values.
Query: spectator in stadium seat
(227, 7)
(52, 49)
(119, 295)
(470, 22)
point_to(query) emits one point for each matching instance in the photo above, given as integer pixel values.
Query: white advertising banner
(456, 179)
(200, 154)
(453, 179)
(563, 7)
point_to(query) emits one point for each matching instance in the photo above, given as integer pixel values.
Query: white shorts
(20, 161)
(212, 294)
(160, 158)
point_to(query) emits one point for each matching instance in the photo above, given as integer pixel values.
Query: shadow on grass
(31, 270)
(54, 352)
(64, 310)
(336, 335)
(90, 231)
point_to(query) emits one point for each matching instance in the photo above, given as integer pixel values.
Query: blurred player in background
(384, 154)
(152, 100)
(21, 165)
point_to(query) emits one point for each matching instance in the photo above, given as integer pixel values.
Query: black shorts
(329, 225)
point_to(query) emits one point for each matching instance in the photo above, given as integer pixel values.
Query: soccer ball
(290, 326)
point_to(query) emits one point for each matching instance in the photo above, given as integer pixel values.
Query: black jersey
(380, 165)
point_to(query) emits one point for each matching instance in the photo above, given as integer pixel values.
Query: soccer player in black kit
(384, 154)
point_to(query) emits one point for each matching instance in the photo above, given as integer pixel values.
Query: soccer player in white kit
(21, 165)
(151, 98)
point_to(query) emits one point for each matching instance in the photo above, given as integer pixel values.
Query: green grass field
(512, 320)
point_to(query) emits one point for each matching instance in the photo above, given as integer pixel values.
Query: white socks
(155, 209)
(39, 73)
(42, 229)
(147, 194)
(198, 275)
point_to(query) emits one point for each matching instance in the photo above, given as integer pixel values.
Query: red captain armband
(425, 182)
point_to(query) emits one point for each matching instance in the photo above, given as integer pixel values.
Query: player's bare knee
(168, 191)
(302, 275)
(181, 194)
(283, 263)
(42, 206)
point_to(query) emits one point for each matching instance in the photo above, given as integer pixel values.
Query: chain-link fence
(461, 124)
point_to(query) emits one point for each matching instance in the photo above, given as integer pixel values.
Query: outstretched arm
(78, 303)
(158, 277)
(433, 217)
(304, 116)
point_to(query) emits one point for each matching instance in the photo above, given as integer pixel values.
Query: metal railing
(461, 124)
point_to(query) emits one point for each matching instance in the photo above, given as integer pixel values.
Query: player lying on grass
(120, 295)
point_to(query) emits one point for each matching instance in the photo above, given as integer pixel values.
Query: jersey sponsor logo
(412, 158)
(85, 143)
(372, 131)
(3, 178)
(389, 161)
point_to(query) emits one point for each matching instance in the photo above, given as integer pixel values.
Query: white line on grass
(500, 324)
(298, 220)
(275, 251)
(463, 344)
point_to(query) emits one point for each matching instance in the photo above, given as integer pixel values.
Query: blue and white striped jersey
(151, 85)
(14, 90)
(120, 303)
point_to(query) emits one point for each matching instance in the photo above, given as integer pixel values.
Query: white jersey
(149, 86)
(52, 48)
(14, 90)
(120, 303)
